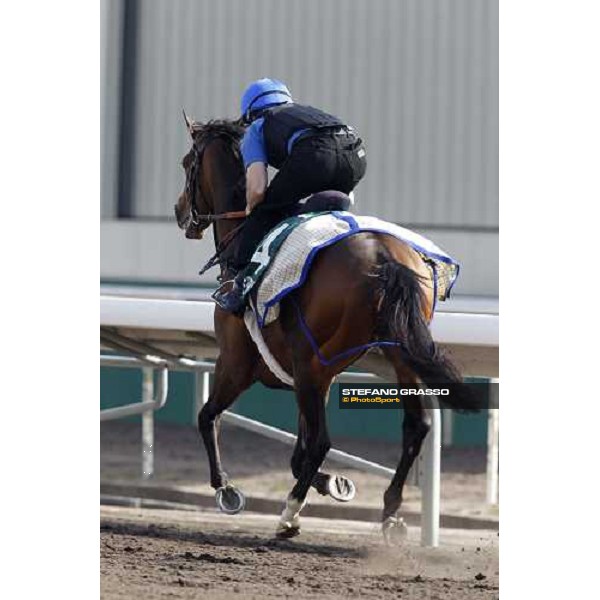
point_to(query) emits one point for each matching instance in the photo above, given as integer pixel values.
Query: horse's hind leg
(414, 429)
(311, 403)
(338, 487)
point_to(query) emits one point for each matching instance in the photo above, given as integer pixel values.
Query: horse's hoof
(341, 488)
(287, 531)
(230, 500)
(394, 531)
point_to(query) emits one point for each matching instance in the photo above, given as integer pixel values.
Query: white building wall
(157, 252)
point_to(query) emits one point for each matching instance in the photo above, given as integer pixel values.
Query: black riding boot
(256, 226)
(233, 300)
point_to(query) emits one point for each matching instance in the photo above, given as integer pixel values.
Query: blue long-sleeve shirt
(253, 143)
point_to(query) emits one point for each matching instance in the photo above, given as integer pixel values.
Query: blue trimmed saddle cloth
(283, 259)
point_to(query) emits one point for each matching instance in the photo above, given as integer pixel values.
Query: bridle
(193, 187)
(193, 184)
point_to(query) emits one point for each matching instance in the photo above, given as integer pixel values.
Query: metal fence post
(492, 447)
(147, 424)
(197, 395)
(205, 387)
(447, 427)
(201, 391)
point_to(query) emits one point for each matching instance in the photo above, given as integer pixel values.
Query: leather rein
(234, 214)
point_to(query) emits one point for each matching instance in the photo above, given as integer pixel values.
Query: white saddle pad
(289, 268)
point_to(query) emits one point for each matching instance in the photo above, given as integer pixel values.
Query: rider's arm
(256, 184)
(255, 162)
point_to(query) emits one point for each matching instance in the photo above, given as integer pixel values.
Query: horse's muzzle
(193, 231)
(182, 223)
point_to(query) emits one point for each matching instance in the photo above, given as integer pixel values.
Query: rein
(215, 259)
(222, 245)
(233, 214)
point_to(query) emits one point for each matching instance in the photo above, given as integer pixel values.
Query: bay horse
(366, 288)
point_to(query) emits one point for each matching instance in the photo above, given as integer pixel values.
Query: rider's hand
(252, 203)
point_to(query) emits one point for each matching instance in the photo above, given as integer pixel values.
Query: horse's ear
(188, 123)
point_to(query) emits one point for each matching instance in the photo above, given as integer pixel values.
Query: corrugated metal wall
(111, 12)
(418, 78)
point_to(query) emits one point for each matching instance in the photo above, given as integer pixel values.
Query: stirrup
(220, 293)
(224, 299)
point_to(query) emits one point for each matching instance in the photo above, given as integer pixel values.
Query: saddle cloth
(282, 261)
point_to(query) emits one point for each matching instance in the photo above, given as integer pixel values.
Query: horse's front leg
(228, 385)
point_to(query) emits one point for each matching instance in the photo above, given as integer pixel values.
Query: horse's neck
(223, 202)
(222, 230)
(224, 227)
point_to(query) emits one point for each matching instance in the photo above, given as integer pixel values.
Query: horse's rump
(335, 258)
(286, 255)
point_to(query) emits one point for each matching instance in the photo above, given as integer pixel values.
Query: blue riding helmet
(261, 94)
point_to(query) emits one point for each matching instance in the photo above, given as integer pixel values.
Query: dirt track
(260, 466)
(176, 554)
(152, 553)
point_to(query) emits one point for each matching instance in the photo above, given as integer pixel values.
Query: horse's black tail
(401, 320)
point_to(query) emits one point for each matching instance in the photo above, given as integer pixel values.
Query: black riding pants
(327, 161)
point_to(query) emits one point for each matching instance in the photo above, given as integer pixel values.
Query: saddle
(323, 202)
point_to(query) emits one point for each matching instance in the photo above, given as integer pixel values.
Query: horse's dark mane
(230, 131)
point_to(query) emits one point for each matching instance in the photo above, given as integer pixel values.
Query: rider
(313, 152)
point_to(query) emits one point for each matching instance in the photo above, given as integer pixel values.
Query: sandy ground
(153, 553)
(260, 467)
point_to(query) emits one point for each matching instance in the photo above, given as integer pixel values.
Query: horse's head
(213, 175)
